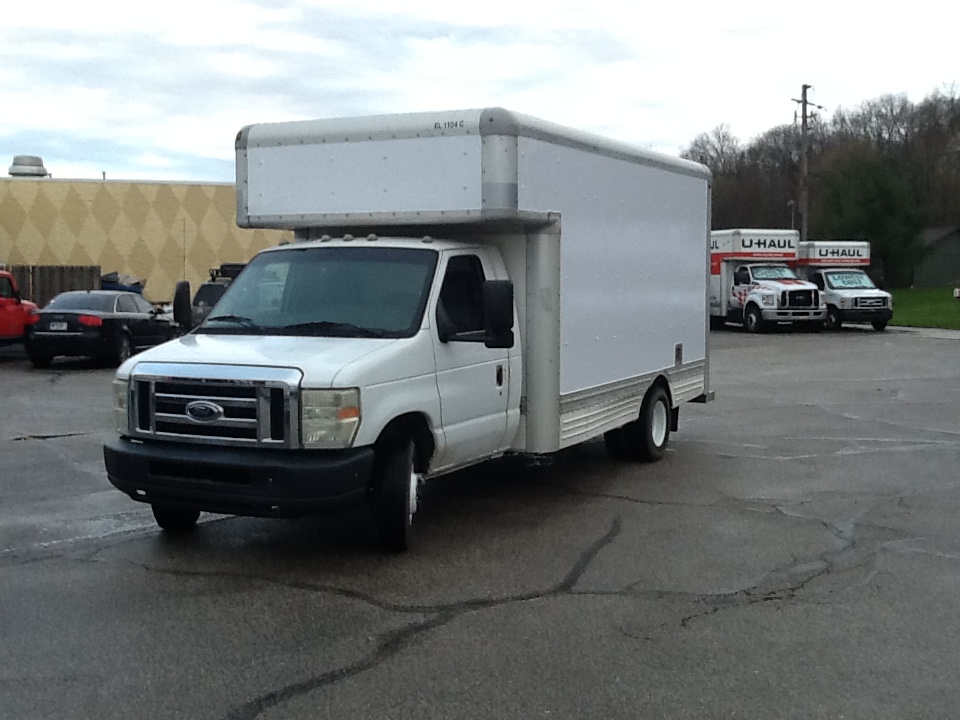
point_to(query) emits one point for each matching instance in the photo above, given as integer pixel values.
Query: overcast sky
(158, 90)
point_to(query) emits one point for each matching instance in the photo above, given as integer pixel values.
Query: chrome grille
(258, 407)
(871, 302)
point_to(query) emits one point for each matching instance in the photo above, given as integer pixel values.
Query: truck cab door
(741, 286)
(472, 379)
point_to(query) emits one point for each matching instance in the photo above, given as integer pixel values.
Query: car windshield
(330, 291)
(772, 272)
(82, 301)
(849, 280)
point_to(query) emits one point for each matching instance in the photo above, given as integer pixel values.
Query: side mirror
(498, 313)
(182, 312)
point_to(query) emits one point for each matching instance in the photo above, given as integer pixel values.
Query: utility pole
(804, 152)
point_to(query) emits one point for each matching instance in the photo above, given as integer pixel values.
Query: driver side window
(461, 295)
(741, 276)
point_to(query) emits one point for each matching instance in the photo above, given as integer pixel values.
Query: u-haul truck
(837, 268)
(752, 282)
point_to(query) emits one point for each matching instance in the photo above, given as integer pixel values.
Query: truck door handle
(499, 375)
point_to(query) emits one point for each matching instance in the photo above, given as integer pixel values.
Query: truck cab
(837, 268)
(15, 312)
(752, 284)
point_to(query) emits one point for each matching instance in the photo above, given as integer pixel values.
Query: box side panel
(406, 175)
(634, 253)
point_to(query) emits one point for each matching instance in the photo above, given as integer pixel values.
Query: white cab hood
(319, 358)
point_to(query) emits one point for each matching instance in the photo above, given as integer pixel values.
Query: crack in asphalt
(394, 641)
(46, 436)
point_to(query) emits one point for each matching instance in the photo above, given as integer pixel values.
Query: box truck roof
(834, 253)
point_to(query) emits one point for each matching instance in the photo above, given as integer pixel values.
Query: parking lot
(795, 555)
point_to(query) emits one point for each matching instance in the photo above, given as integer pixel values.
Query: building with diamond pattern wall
(160, 232)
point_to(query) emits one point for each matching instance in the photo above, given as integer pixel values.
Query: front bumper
(788, 315)
(866, 314)
(239, 481)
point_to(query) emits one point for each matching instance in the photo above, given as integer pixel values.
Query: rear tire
(40, 360)
(753, 320)
(175, 520)
(645, 439)
(395, 494)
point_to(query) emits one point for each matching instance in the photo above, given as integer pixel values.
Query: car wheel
(123, 349)
(40, 360)
(879, 325)
(646, 438)
(753, 320)
(834, 320)
(396, 484)
(175, 520)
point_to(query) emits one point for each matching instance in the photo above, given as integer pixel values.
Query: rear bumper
(69, 344)
(239, 481)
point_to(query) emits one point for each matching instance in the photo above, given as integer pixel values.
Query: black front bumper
(239, 481)
(867, 314)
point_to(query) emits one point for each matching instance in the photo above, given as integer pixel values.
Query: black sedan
(106, 325)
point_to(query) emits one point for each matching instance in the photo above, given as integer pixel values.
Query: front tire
(834, 320)
(175, 520)
(753, 320)
(879, 325)
(396, 484)
(123, 350)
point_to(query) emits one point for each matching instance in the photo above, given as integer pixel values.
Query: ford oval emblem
(203, 411)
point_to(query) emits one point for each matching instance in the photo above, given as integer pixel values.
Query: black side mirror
(498, 313)
(182, 312)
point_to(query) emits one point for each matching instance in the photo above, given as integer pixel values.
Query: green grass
(926, 307)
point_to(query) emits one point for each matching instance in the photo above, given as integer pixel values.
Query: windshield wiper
(238, 319)
(336, 329)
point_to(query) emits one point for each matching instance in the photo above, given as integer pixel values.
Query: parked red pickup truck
(14, 310)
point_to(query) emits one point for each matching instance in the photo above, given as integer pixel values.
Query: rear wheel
(753, 320)
(646, 438)
(879, 325)
(175, 520)
(396, 484)
(39, 359)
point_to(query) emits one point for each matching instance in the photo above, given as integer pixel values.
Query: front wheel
(175, 520)
(879, 325)
(646, 438)
(753, 320)
(834, 320)
(396, 483)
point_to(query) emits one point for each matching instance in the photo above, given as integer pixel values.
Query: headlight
(844, 302)
(121, 396)
(768, 300)
(329, 418)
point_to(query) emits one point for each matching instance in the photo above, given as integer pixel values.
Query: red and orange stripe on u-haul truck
(752, 245)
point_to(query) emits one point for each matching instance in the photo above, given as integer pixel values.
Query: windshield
(328, 291)
(772, 272)
(82, 301)
(849, 280)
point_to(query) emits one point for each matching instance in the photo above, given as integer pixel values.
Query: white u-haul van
(751, 281)
(463, 285)
(837, 268)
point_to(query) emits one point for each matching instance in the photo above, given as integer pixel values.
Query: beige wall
(159, 232)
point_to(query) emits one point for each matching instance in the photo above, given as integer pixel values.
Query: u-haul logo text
(768, 244)
(840, 252)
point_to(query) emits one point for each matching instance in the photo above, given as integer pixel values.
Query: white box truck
(837, 268)
(462, 285)
(752, 282)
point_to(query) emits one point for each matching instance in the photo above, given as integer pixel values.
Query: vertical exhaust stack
(28, 166)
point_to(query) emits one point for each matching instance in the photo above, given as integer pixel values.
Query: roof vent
(28, 166)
